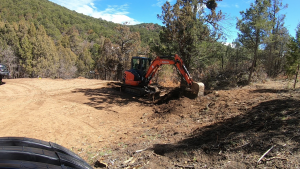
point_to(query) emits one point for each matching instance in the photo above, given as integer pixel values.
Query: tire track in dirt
(21, 100)
(23, 104)
(50, 110)
(24, 94)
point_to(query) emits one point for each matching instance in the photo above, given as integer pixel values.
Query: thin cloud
(223, 5)
(93, 5)
(74, 4)
(248, 1)
(114, 13)
(229, 44)
(160, 3)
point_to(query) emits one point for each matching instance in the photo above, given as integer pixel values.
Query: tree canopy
(45, 39)
(187, 27)
(254, 27)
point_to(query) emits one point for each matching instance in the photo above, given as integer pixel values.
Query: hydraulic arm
(162, 61)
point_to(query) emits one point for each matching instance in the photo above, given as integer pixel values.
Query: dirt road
(66, 111)
(224, 129)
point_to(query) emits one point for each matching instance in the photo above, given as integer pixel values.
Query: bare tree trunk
(252, 66)
(297, 72)
(270, 62)
(236, 60)
(255, 55)
(223, 62)
(250, 74)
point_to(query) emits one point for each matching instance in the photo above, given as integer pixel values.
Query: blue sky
(145, 11)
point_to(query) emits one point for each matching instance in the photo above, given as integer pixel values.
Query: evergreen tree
(26, 56)
(186, 27)
(67, 63)
(109, 60)
(45, 54)
(254, 27)
(32, 30)
(293, 57)
(85, 62)
(129, 44)
(276, 40)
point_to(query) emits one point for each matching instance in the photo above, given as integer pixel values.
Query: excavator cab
(141, 64)
(137, 72)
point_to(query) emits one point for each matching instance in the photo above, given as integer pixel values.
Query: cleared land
(224, 129)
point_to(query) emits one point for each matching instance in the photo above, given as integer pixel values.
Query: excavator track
(137, 91)
(140, 91)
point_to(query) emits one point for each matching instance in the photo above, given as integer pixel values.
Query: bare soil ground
(108, 128)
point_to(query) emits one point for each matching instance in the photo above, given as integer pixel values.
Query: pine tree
(276, 40)
(128, 42)
(293, 57)
(26, 55)
(67, 63)
(85, 62)
(45, 54)
(186, 27)
(109, 59)
(254, 27)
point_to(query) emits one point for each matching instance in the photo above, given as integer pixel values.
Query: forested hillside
(40, 38)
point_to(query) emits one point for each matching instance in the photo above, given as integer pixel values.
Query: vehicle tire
(20, 152)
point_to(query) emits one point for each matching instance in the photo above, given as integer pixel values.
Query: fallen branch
(239, 147)
(265, 154)
(138, 151)
(181, 166)
(272, 158)
(293, 137)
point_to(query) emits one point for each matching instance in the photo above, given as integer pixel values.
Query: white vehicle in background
(3, 72)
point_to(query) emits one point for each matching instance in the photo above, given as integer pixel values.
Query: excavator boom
(175, 60)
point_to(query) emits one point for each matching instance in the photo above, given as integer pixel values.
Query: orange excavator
(137, 80)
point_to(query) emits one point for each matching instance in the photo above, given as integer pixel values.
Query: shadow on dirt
(266, 124)
(107, 97)
(270, 91)
(112, 95)
(172, 94)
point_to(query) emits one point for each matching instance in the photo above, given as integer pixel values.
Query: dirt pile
(224, 129)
